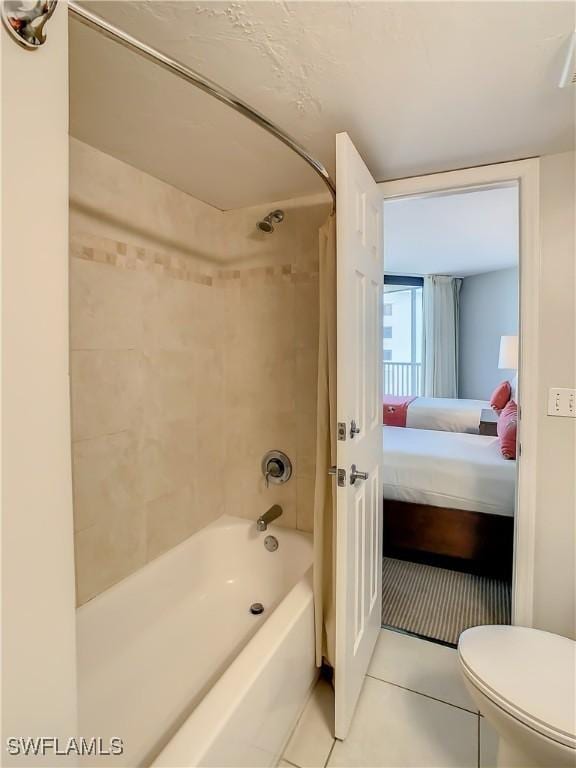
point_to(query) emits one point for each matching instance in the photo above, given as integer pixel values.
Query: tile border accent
(126, 256)
(116, 253)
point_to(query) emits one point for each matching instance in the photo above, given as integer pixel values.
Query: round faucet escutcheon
(276, 468)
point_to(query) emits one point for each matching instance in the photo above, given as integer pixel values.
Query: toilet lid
(529, 673)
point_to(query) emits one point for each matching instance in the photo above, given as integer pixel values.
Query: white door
(360, 275)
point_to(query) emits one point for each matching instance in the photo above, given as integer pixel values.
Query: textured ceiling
(420, 87)
(460, 234)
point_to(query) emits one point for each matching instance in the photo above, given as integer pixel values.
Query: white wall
(488, 310)
(38, 620)
(555, 572)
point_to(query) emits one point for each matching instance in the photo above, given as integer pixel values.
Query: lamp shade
(508, 358)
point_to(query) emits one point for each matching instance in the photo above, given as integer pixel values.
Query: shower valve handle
(273, 469)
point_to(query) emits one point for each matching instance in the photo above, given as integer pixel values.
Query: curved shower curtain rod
(190, 76)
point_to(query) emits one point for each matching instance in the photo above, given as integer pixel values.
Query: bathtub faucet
(263, 521)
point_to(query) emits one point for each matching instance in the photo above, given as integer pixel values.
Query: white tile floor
(414, 711)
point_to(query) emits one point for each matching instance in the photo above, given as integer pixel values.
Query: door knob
(357, 475)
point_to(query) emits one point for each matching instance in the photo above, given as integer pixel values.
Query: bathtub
(172, 661)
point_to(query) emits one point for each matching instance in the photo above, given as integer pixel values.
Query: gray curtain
(324, 501)
(441, 322)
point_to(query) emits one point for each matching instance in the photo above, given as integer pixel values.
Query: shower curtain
(324, 501)
(441, 321)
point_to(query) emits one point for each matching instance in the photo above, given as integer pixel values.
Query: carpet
(439, 603)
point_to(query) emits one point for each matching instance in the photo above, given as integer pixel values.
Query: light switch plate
(562, 402)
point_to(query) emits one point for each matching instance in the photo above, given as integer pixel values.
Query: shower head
(265, 226)
(267, 223)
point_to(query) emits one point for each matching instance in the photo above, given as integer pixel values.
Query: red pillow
(507, 429)
(501, 396)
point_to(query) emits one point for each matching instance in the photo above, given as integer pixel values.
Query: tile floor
(414, 711)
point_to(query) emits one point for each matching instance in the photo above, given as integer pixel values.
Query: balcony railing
(402, 378)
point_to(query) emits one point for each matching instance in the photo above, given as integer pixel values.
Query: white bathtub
(172, 661)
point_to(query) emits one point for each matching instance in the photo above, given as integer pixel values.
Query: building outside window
(402, 353)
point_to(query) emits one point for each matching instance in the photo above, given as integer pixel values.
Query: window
(402, 352)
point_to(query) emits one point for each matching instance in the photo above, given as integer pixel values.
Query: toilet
(524, 682)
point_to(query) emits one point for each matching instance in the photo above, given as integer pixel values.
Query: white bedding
(448, 469)
(446, 414)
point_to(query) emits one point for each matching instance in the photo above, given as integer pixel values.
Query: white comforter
(445, 413)
(448, 469)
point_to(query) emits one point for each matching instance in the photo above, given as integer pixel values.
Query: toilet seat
(528, 673)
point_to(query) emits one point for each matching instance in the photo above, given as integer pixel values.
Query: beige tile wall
(270, 381)
(193, 352)
(147, 379)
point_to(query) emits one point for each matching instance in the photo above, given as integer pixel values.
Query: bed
(448, 496)
(436, 413)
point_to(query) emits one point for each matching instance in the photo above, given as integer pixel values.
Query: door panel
(359, 400)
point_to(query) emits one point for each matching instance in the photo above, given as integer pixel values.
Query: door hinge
(341, 430)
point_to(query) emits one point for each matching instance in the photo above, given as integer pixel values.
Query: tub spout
(263, 521)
